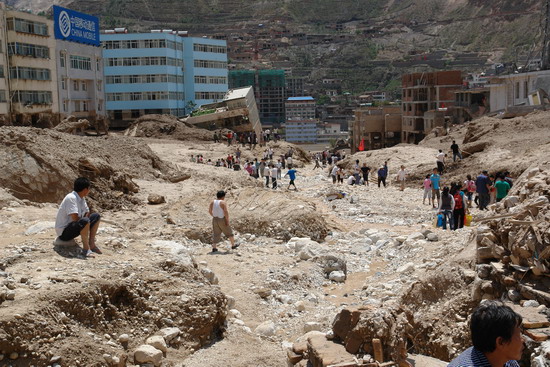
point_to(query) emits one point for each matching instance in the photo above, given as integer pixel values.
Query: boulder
(266, 328)
(155, 199)
(169, 333)
(337, 276)
(158, 342)
(148, 354)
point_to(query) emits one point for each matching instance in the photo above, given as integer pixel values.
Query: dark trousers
(274, 182)
(458, 218)
(383, 180)
(266, 181)
(365, 179)
(74, 228)
(484, 199)
(440, 167)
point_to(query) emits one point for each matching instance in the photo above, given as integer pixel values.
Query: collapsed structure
(237, 112)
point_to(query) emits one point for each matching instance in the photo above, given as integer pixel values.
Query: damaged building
(376, 128)
(424, 92)
(237, 112)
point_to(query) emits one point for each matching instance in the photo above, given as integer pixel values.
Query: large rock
(337, 276)
(169, 333)
(148, 354)
(158, 342)
(323, 353)
(266, 328)
(331, 263)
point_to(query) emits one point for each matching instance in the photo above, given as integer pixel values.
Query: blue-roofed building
(301, 124)
(163, 72)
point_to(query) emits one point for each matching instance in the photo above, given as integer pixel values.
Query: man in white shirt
(74, 218)
(440, 157)
(401, 176)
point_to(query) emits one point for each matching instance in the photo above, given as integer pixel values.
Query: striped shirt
(472, 357)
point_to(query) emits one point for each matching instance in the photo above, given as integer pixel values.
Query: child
(427, 190)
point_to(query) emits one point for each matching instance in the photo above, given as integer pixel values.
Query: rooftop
(305, 98)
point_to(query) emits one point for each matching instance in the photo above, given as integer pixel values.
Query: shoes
(234, 247)
(215, 250)
(96, 250)
(88, 253)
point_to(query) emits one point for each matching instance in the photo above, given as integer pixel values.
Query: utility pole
(546, 46)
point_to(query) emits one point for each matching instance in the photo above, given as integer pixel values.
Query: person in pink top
(427, 190)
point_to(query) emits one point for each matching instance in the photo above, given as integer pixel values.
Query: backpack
(471, 186)
(458, 201)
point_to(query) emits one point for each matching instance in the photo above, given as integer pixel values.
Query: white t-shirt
(266, 171)
(401, 174)
(274, 172)
(351, 180)
(71, 204)
(334, 170)
(289, 160)
(441, 157)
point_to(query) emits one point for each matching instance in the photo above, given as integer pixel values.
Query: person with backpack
(459, 210)
(446, 207)
(470, 188)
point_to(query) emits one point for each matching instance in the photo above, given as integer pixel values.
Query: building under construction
(424, 92)
(270, 90)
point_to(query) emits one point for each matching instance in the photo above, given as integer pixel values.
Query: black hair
(220, 194)
(484, 172)
(428, 176)
(446, 190)
(80, 184)
(492, 319)
(469, 177)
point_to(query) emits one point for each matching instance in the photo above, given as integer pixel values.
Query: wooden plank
(378, 350)
(535, 324)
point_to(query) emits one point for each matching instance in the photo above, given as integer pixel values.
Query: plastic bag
(468, 220)
(440, 220)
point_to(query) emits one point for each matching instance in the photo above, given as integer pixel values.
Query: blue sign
(74, 26)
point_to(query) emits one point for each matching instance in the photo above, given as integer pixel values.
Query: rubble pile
(40, 165)
(166, 126)
(517, 232)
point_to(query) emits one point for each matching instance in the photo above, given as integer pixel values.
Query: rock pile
(518, 232)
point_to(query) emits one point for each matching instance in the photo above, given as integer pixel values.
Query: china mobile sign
(74, 26)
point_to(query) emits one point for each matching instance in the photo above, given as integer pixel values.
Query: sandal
(234, 247)
(88, 253)
(96, 250)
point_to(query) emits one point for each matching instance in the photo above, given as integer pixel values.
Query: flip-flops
(88, 253)
(96, 250)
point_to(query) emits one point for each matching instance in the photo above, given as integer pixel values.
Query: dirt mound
(255, 211)
(166, 126)
(41, 165)
(73, 311)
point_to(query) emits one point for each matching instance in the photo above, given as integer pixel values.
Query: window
(98, 64)
(27, 97)
(525, 89)
(145, 96)
(80, 62)
(76, 85)
(62, 59)
(209, 95)
(63, 83)
(84, 86)
(27, 49)
(210, 64)
(76, 105)
(84, 105)
(517, 90)
(99, 87)
(209, 48)
(100, 105)
(3, 96)
(65, 105)
(27, 26)
(20, 72)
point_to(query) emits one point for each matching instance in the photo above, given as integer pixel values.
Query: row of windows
(27, 49)
(143, 61)
(27, 26)
(32, 97)
(20, 72)
(81, 106)
(203, 79)
(113, 45)
(142, 79)
(79, 85)
(3, 96)
(210, 48)
(209, 95)
(210, 64)
(145, 96)
(80, 62)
